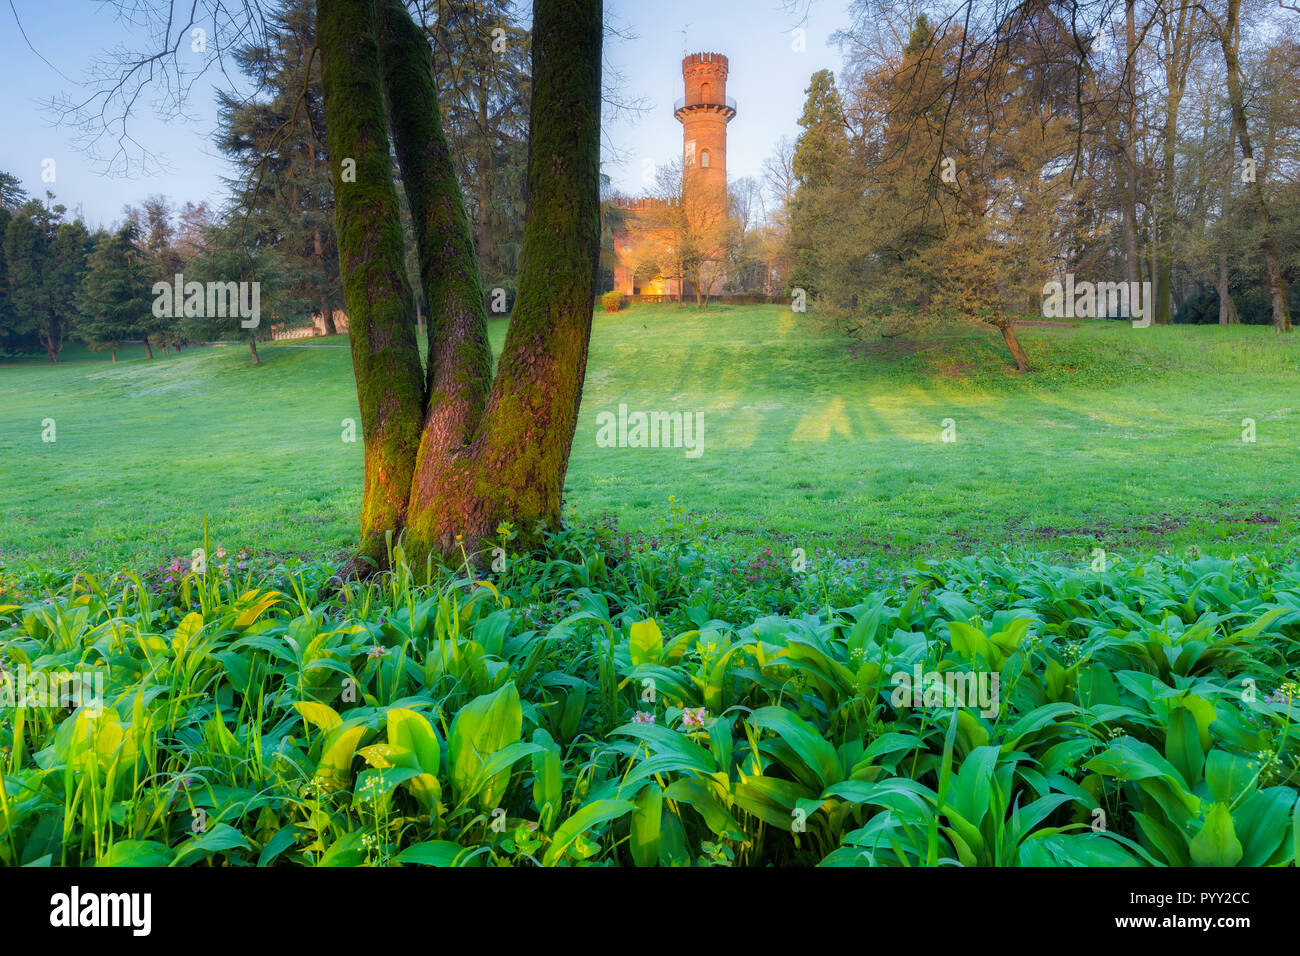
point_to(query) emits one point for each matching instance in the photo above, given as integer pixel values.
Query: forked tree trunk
(455, 455)
(509, 464)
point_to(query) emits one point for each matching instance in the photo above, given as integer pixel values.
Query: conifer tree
(115, 293)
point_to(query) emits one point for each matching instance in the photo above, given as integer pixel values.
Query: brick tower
(704, 113)
(643, 230)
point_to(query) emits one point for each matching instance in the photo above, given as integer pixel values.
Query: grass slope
(1127, 439)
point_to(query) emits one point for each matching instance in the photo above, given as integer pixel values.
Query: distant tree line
(60, 282)
(961, 164)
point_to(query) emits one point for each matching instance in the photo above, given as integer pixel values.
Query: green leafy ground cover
(659, 706)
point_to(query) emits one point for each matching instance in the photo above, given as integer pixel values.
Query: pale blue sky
(71, 34)
(767, 80)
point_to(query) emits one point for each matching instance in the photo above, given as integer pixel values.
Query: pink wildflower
(694, 717)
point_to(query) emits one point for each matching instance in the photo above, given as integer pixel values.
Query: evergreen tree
(481, 67)
(278, 141)
(823, 144)
(12, 194)
(46, 261)
(820, 159)
(66, 271)
(157, 236)
(7, 319)
(115, 294)
(224, 259)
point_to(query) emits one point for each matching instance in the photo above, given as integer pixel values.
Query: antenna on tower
(685, 48)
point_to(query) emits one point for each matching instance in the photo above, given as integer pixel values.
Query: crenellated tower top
(705, 76)
(712, 62)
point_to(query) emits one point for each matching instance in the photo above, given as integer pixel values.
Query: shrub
(612, 301)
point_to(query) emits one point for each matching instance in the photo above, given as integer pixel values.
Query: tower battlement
(705, 62)
(704, 76)
(637, 204)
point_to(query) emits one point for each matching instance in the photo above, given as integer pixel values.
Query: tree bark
(1177, 60)
(252, 348)
(452, 453)
(459, 359)
(510, 465)
(326, 313)
(483, 192)
(377, 296)
(1227, 308)
(1229, 37)
(1130, 145)
(148, 349)
(1013, 343)
(327, 317)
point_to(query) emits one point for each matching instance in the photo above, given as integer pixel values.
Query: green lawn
(75, 353)
(1127, 439)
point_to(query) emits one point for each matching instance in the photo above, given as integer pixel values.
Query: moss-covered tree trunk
(508, 462)
(459, 366)
(377, 297)
(453, 452)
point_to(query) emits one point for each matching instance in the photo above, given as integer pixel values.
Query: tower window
(704, 159)
(706, 91)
